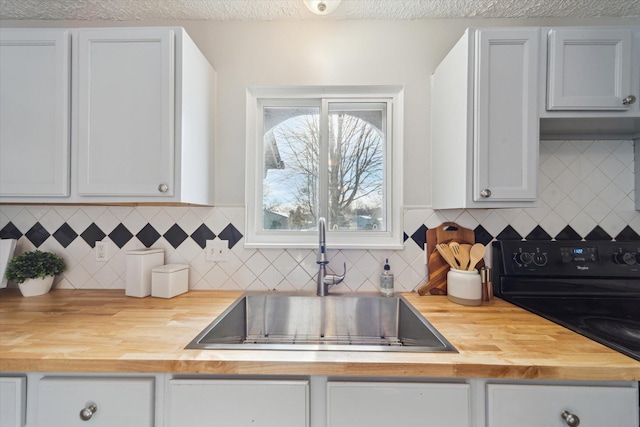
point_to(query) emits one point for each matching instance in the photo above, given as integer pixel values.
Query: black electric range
(592, 288)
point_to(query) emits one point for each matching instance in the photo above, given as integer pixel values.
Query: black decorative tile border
(175, 235)
(538, 233)
(120, 235)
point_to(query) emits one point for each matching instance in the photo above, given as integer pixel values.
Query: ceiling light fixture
(322, 7)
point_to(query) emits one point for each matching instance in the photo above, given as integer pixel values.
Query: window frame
(320, 96)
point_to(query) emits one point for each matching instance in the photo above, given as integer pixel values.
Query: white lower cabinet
(95, 401)
(525, 405)
(237, 403)
(371, 404)
(13, 401)
(168, 400)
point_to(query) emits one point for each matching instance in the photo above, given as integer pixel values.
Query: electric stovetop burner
(626, 332)
(592, 288)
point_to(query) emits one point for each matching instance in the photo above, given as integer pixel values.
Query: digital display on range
(581, 254)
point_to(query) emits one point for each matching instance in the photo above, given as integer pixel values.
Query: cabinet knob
(486, 193)
(163, 188)
(571, 419)
(87, 412)
(629, 100)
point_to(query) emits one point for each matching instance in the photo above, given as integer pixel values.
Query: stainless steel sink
(340, 322)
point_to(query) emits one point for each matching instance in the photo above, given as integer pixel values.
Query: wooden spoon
(447, 255)
(476, 254)
(459, 255)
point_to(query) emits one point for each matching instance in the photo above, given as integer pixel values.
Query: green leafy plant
(33, 265)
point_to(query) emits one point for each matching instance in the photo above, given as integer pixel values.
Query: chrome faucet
(324, 279)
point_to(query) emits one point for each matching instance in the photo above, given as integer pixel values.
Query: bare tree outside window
(355, 178)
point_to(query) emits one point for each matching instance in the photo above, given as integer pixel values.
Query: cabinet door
(34, 112)
(13, 401)
(364, 404)
(511, 405)
(118, 401)
(506, 135)
(589, 69)
(126, 112)
(237, 403)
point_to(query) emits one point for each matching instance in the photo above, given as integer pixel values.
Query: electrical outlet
(102, 252)
(217, 250)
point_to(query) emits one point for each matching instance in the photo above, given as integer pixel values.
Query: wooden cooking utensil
(460, 256)
(445, 252)
(476, 254)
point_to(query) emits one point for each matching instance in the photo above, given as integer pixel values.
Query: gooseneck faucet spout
(322, 244)
(324, 279)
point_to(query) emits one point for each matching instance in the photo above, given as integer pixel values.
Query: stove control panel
(579, 253)
(568, 258)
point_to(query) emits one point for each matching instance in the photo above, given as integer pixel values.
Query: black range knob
(524, 258)
(540, 259)
(625, 258)
(629, 258)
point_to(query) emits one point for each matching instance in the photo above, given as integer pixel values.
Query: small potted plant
(34, 271)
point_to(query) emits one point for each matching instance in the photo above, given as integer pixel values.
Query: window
(334, 152)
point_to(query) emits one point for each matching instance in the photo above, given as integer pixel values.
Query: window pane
(290, 179)
(356, 166)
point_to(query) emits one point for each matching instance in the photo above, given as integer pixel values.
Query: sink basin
(340, 322)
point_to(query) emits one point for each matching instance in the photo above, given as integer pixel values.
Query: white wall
(330, 53)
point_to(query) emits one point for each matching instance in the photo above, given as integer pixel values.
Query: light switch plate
(217, 250)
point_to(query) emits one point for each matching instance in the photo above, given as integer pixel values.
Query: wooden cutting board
(438, 267)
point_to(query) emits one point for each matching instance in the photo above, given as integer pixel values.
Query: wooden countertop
(105, 331)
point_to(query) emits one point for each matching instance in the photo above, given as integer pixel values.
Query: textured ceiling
(294, 10)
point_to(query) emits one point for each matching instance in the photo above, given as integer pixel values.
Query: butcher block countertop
(105, 331)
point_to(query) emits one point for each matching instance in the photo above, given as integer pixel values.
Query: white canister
(464, 287)
(139, 265)
(169, 280)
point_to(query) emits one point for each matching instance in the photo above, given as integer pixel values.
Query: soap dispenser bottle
(386, 280)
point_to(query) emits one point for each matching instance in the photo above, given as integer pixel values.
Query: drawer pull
(629, 100)
(571, 419)
(87, 412)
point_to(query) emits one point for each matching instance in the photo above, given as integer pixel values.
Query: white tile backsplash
(582, 184)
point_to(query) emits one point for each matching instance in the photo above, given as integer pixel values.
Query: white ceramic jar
(139, 264)
(464, 287)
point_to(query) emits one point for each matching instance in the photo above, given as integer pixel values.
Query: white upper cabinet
(590, 69)
(125, 112)
(35, 68)
(140, 106)
(484, 123)
(144, 117)
(590, 83)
